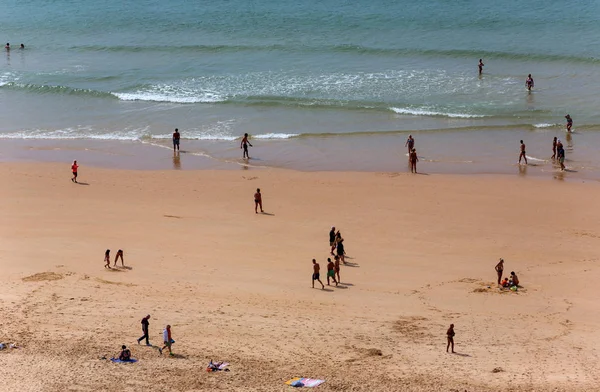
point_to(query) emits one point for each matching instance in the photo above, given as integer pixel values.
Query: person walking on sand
(316, 274)
(560, 154)
(257, 201)
(332, 240)
(107, 258)
(244, 145)
(119, 255)
(523, 153)
(410, 143)
(413, 158)
(500, 270)
(480, 65)
(168, 339)
(554, 143)
(337, 268)
(529, 82)
(339, 241)
(450, 333)
(176, 137)
(74, 168)
(331, 272)
(146, 335)
(569, 122)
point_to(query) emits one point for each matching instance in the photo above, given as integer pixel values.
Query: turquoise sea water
(305, 73)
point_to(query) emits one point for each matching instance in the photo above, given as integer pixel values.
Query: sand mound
(43, 276)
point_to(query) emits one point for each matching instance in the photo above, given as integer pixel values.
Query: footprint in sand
(43, 276)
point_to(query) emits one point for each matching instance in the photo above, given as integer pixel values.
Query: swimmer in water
(481, 64)
(410, 143)
(529, 82)
(569, 122)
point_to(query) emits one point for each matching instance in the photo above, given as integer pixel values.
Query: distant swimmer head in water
(22, 46)
(7, 47)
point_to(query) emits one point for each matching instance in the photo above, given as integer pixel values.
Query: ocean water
(327, 84)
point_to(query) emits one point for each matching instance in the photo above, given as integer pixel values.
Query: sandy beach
(236, 286)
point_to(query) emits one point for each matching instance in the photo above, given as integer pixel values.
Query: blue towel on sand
(117, 360)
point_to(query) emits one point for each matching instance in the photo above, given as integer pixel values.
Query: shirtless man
(176, 137)
(480, 65)
(316, 275)
(413, 159)
(119, 254)
(244, 145)
(522, 155)
(450, 333)
(337, 268)
(529, 82)
(554, 147)
(331, 272)
(514, 278)
(569, 122)
(410, 143)
(257, 201)
(500, 270)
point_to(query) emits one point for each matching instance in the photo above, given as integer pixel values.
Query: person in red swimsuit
(74, 168)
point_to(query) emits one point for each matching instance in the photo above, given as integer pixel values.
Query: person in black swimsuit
(332, 240)
(244, 145)
(340, 247)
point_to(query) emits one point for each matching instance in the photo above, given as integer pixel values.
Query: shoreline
(369, 154)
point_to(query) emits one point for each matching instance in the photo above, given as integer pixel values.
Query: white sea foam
(75, 133)
(544, 125)
(422, 112)
(275, 136)
(162, 97)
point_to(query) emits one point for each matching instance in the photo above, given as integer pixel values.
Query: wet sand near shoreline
(235, 285)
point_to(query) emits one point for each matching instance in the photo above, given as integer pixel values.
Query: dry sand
(235, 286)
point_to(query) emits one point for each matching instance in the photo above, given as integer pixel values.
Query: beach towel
(117, 360)
(300, 382)
(216, 366)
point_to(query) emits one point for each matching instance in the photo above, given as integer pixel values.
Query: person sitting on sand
(505, 283)
(107, 258)
(125, 354)
(331, 272)
(514, 279)
(119, 254)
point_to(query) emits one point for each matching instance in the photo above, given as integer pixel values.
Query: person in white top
(167, 339)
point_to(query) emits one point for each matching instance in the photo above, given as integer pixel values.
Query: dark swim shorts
(316, 276)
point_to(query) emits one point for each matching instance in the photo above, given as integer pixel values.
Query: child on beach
(257, 201)
(316, 274)
(245, 143)
(74, 168)
(107, 258)
(331, 272)
(119, 254)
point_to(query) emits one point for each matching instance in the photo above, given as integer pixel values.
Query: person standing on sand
(410, 143)
(450, 333)
(554, 147)
(74, 168)
(119, 254)
(332, 240)
(523, 153)
(168, 339)
(257, 201)
(176, 137)
(480, 65)
(337, 268)
(316, 274)
(529, 82)
(244, 145)
(413, 158)
(569, 122)
(146, 335)
(331, 272)
(500, 270)
(107, 258)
